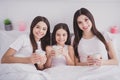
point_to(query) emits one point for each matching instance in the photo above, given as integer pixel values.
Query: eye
(64, 34)
(79, 22)
(44, 28)
(86, 19)
(57, 34)
(37, 26)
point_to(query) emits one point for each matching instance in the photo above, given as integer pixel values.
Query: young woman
(60, 53)
(88, 42)
(23, 49)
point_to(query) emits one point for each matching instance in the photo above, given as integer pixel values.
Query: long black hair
(78, 32)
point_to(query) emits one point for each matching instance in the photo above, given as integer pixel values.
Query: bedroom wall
(106, 12)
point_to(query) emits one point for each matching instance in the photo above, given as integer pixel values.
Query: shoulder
(73, 36)
(107, 36)
(72, 39)
(71, 50)
(104, 33)
(70, 47)
(23, 39)
(24, 36)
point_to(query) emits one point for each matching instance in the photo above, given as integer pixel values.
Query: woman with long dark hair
(90, 45)
(23, 49)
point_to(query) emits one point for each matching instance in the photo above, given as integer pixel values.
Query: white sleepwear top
(60, 59)
(91, 46)
(23, 46)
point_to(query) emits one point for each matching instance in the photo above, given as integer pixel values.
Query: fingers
(98, 62)
(32, 59)
(43, 60)
(51, 53)
(93, 61)
(35, 58)
(65, 52)
(90, 61)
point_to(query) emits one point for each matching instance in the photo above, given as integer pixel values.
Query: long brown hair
(61, 26)
(45, 40)
(78, 32)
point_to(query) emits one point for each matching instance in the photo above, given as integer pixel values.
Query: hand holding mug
(97, 59)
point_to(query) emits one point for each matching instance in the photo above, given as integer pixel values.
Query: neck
(60, 45)
(87, 35)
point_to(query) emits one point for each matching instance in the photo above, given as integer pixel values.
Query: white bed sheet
(21, 72)
(84, 73)
(27, 72)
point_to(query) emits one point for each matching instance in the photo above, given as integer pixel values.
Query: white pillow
(6, 38)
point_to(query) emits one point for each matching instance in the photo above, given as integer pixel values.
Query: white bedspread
(27, 72)
(21, 72)
(84, 73)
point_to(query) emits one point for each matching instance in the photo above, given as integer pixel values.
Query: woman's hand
(98, 62)
(43, 59)
(50, 54)
(94, 61)
(65, 52)
(34, 58)
(90, 60)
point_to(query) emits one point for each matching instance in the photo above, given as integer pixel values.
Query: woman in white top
(60, 53)
(23, 49)
(91, 47)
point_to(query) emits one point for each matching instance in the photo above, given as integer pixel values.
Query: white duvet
(27, 72)
(21, 72)
(84, 73)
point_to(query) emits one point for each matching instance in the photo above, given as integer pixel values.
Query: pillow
(6, 38)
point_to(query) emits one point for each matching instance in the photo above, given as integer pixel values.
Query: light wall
(105, 12)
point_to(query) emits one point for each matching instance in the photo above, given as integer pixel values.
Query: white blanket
(21, 72)
(28, 72)
(84, 73)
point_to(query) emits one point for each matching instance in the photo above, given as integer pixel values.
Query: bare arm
(50, 54)
(78, 63)
(113, 58)
(8, 57)
(70, 57)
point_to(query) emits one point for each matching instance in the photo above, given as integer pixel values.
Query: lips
(61, 40)
(85, 28)
(39, 34)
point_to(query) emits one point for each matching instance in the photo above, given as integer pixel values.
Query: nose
(61, 37)
(40, 30)
(84, 24)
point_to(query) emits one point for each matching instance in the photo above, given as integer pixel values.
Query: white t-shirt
(91, 46)
(23, 46)
(59, 60)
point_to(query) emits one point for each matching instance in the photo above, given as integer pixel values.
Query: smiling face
(61, 36)
(84, 23)
(40, 30)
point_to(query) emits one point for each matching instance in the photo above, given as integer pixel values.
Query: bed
(26, 72)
